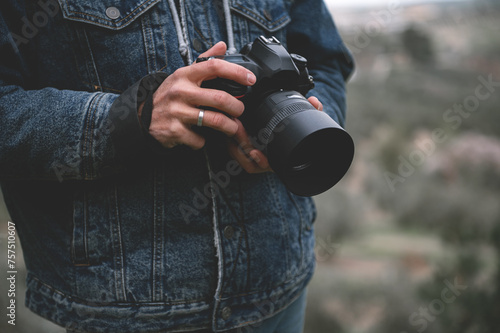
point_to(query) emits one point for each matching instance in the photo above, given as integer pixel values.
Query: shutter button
(112, 13)
(226, 313)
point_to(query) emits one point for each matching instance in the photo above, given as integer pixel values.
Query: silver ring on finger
(200, 118)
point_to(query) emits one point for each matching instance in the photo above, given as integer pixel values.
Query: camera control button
(112, 13)
(228, 232)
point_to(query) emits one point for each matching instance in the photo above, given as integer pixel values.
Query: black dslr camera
(306, 148)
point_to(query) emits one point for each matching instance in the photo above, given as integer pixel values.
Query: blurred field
(409, 241)
(416, 219)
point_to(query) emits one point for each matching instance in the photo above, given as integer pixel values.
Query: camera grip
(233, 88)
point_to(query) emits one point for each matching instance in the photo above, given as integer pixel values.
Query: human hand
(176, 103)
(251, 159)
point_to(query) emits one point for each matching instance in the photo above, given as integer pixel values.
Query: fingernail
(251, 78)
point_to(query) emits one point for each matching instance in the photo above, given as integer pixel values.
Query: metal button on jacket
(197, 45)
(228, 232)
(226, 313)
(112, 13)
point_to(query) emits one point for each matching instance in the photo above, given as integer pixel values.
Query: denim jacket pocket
(111, 14)
(94, 220)
(98, 43)
(271, 15)
(261, 17)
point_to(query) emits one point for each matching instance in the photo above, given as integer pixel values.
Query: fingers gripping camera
(306, 148)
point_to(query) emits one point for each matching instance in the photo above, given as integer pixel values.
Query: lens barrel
(306, 148)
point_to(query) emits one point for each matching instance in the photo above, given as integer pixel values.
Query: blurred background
(409, 240)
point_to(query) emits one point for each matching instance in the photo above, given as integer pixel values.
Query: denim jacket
(159, 242)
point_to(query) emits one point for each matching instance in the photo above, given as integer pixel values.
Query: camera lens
(306, 148)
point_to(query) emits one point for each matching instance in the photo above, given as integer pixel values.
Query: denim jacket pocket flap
(269, 14)
(111, 14)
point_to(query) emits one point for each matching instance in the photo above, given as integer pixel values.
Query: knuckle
(217, 120)
(213, 65)
(180, 72)
(233, 130)
(169, 113)
(177, 91)
(220, 98)
(199, 144)
(176, 130)
(239, 108)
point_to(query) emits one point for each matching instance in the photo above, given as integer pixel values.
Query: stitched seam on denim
(244, 28)
(91, 136)
(146, 44)
(118, 260)
(84, 50)
(149, 43)
(210, 40)
(103, 88)
(245, 232)
(89, 169)
(297, 280)
(157, 236)
(147, 6)
(230, 275)
(86, 136)
(72, 34)
(198, 31)
(159, 23)
(117, 304)
(301, 227)
(92, 61)
(153, 262)
(85, 226)
(74, 243)
(257, 18)
(272, 184)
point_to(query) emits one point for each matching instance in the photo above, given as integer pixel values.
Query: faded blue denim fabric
(165, 243)
(289, 320)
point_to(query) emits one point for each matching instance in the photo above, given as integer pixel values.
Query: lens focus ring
(287, 111)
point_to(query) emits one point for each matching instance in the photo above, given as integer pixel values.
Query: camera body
(306, 148)
(274, 67)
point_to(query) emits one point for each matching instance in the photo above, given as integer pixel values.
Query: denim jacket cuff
(130, 135)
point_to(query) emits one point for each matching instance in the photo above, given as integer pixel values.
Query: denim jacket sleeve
(312, 34)
(58, 134)
(46, 133)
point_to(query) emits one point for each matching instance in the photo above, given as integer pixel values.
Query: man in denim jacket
(119, 237)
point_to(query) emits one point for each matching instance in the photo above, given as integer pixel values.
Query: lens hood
(306, 148)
